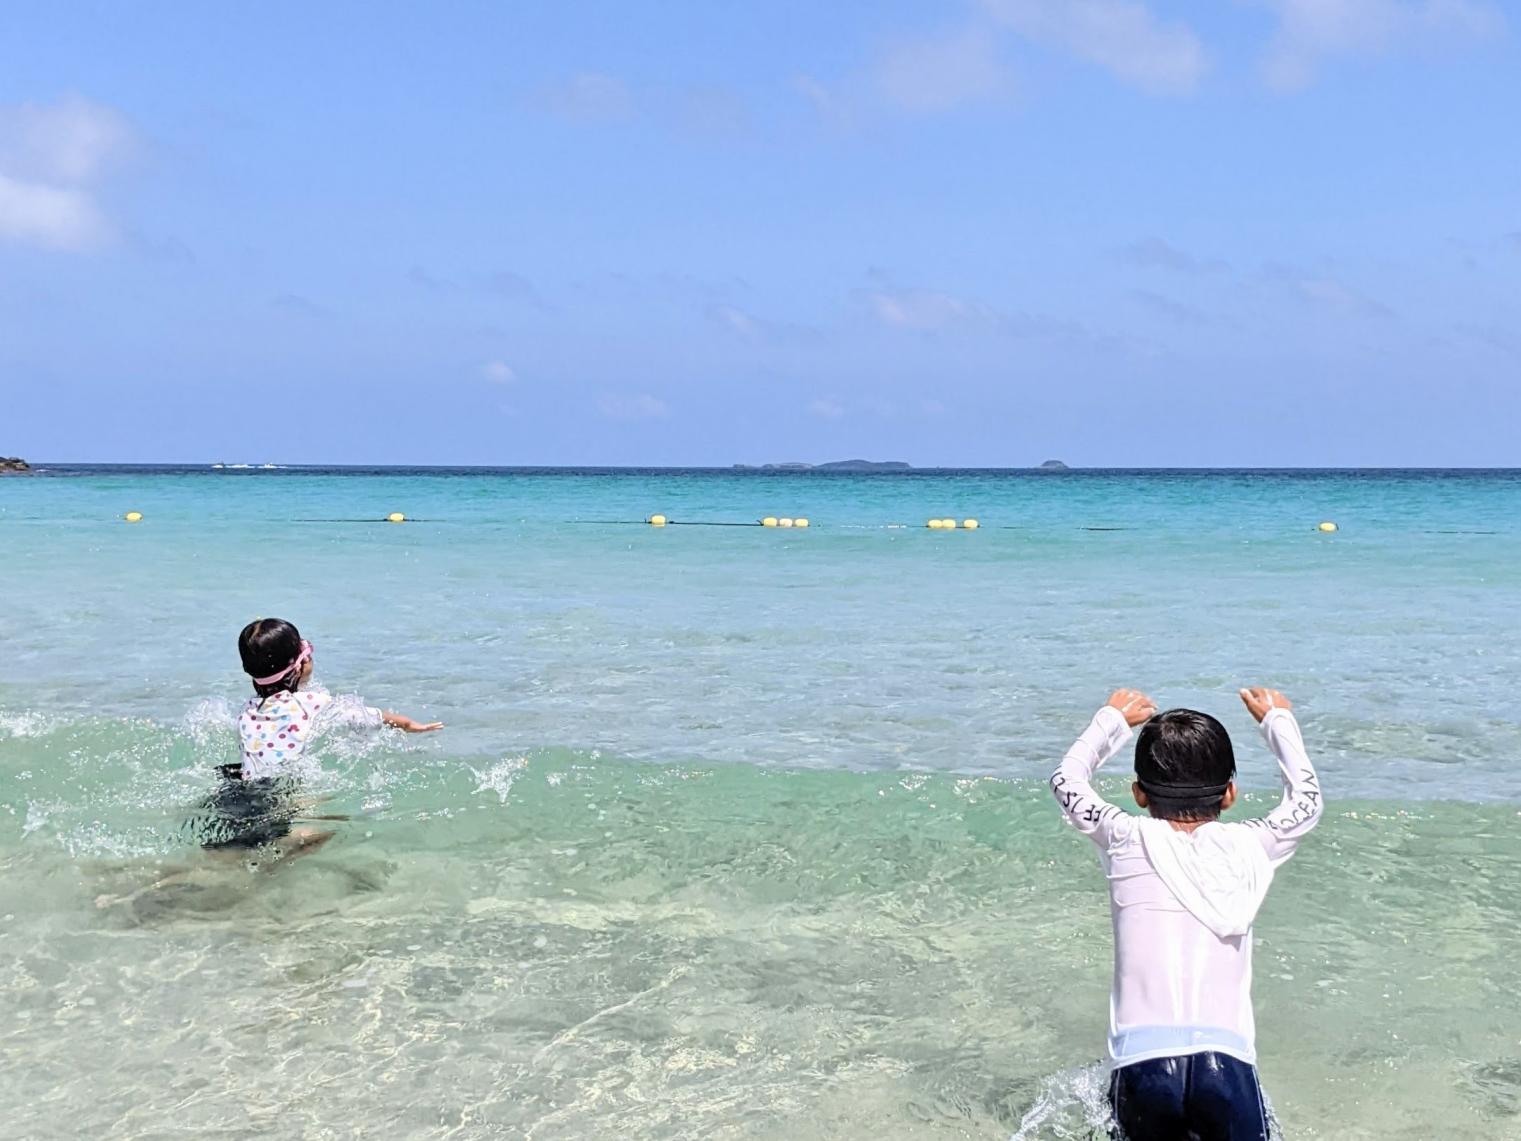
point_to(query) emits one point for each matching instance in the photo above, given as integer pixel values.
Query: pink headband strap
(300, 660)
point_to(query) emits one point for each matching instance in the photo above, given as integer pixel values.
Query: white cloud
(942, 72)
(1123, 37)
(51, 158)
(1333, 295)
(589, 97)
(925, 75)
(926, 310)
(826, 408)
(640, 407)
(1158, 253)
(831, 106)
(1310, 31)
(71, 141)
(498, 372)
(54, 216)
(736, 320)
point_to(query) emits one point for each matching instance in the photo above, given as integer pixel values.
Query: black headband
(1182, 791)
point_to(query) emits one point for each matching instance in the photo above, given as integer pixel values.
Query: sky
(974, 233)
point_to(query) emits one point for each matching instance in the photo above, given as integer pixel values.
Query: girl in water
(256, 804)
(256, 807)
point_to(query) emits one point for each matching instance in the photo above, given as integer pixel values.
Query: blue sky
(986, 233)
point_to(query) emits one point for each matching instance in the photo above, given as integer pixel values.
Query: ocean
(736, 831)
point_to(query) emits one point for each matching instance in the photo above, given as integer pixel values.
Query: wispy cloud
(1312, 31)
(746, 325)
(736, 320)
(1158, 253)
(830, 103)
(498, 372)
(826, 408)
(514, 286)
(500, 283)
(1498, 335)
(641, 406)
(712, 113)
(943, 71)
(926, 310)
(53, 158)
(703, 112)
(589, 97)
(295, 303)
(1319, 290)
(1167, 307)
(1124, 37)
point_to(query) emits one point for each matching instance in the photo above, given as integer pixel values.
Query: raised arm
(1071, 783)
(1299, 811)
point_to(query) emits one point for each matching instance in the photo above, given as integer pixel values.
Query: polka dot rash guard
(274, 731)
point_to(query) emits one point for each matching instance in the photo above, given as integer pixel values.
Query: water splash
(499, 778)
(26, 724)
(1072, 1104)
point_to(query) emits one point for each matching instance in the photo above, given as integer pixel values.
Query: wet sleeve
(1072, 785)
(1299, 811)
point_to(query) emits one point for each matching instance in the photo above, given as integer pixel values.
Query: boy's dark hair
(268, 645)
(1183, 763)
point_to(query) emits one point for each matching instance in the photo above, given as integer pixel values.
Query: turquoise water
(737, 832)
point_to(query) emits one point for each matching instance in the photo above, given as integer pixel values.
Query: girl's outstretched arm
(400, 721)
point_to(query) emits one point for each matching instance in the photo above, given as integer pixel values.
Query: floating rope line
(408, 519)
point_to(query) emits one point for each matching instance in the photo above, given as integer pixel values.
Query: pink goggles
(301, 659)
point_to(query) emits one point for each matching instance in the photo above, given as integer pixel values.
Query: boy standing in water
(1183, 892)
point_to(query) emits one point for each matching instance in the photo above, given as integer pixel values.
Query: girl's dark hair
(1183, 763)
(267, 646)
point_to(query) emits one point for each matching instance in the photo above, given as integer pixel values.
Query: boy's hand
(1260, 701)
(1133, 705)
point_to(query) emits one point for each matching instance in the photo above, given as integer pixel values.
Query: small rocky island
(13, 464)
(836, 465)
(1054, 465)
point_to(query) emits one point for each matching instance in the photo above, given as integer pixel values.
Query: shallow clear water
(735, 831)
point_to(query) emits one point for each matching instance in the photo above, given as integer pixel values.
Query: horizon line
(771, 469)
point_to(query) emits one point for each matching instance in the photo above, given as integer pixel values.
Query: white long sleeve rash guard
(1183, 903)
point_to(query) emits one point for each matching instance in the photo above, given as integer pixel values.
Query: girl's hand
(1134, 705)
(1260, 701)
(407, 725)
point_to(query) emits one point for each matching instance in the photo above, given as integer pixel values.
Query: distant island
(13, 463)
(836, 465)
(1054, 465)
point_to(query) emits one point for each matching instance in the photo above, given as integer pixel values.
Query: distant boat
(218, 467)
(271, 467)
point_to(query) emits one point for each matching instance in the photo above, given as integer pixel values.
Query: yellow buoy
(948, 524)
(800, 522)
(769, 521)
(935, 524)
(657, 520)
(133, 516)
(1327, 527)
(784, 522)
(970, 524)
(396, 517)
